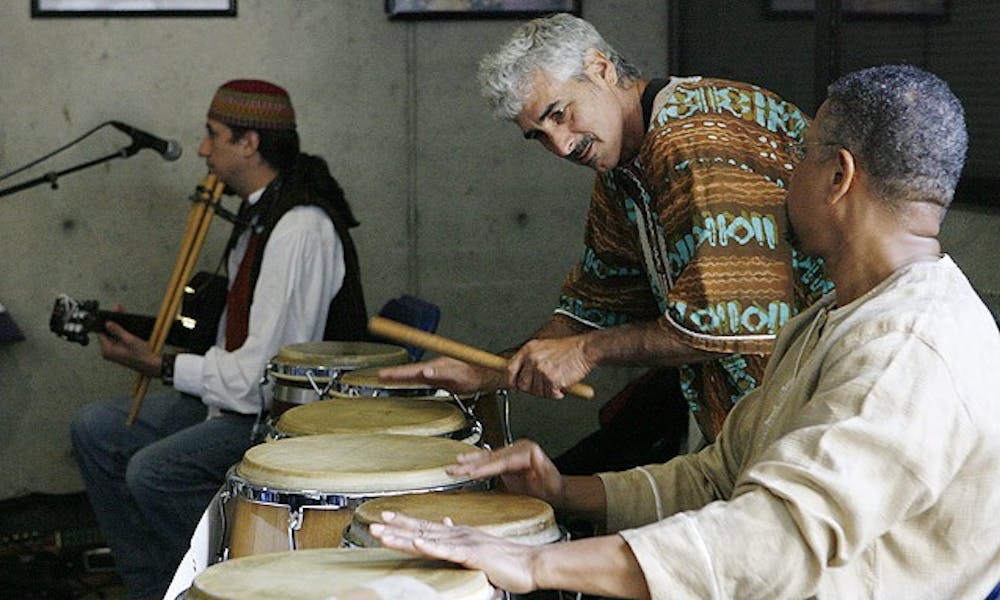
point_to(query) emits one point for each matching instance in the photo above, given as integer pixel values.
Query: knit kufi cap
(253, 104)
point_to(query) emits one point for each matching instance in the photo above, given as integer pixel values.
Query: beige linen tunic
(866, 466)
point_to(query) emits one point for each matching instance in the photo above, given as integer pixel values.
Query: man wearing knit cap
(293, 277)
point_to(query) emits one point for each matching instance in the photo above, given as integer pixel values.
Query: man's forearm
(559, 326)
(603, 566)
(583, 496)
(640, 344)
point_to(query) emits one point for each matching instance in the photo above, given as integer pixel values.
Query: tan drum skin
(488, 409)
(301, 371)
(515, 517)
(372, 415)
(331, 573)
(327, 476)
(332, 355)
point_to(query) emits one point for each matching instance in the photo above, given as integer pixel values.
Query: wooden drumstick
(428, 341)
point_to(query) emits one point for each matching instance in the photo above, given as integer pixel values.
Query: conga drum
(516, 517)
(302, 373)
(365, 383)
(489, 410)
(408, 416)
(300, 492)
(338, 573)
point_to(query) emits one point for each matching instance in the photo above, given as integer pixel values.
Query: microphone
(168, 149)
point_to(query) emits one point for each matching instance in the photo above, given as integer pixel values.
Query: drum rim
(407, 389)
(259, 463)
(239, 487)
(370, 383)
(471, 434)
(349, 390)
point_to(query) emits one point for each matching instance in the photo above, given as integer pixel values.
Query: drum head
(518, 518)
(365, 383)
(353, 463)
(322, 574)
(327, 359)
(372, 415)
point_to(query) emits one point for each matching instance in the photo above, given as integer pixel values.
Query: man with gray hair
(685, 266)
(865, 464)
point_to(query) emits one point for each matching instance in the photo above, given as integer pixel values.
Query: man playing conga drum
(293, 277)
(865, 464)
(685, 264)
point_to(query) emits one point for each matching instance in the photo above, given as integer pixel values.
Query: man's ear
(250, 141)
(598, 66)
(843, 177)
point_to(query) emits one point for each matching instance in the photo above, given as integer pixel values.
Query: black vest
(309, 183)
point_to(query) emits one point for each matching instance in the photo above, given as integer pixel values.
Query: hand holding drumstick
(467, 354)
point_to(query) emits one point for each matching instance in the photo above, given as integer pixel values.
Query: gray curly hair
(907, 129)
(558, 44)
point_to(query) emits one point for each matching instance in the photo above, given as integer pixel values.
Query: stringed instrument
(194, 329)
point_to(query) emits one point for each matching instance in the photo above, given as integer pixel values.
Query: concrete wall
(454, 206)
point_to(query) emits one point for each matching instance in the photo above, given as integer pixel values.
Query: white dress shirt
(302, 270)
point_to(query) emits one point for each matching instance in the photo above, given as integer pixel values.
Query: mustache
(581, 148)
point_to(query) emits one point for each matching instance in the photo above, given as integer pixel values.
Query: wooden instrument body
(194, 330)
(300, 492)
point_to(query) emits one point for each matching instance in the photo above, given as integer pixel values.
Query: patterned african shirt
(691, 233)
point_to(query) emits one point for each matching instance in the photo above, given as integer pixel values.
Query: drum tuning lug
(294, 524)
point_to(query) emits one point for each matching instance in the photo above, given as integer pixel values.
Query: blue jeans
(150, 483)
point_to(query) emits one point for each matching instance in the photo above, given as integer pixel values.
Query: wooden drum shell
(300, 492)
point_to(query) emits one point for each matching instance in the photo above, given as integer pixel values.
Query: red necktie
(238, 298)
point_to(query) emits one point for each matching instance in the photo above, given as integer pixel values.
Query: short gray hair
(907, 129)
(558, 44)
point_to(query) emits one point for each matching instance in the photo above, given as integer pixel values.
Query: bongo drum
(305, 372)
(487, 410)
(410, 416)
(299, 492)
(338, 573)
(515, 517)
(365, 383)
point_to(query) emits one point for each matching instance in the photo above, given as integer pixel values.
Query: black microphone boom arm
(52, 177)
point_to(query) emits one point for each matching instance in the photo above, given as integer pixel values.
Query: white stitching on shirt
(656, 492)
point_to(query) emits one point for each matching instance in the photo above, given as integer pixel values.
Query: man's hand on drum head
(446, 373)
(545, 367)
(120, 346)
(523, 466)
(508, 565)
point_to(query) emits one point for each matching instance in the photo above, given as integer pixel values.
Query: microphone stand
(52, 177)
